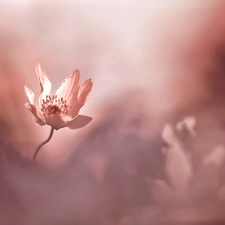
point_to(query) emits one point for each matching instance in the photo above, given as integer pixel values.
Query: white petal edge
(36, 118)
(79, 100)
(29, 94)
(44, 82)
(84, 91)
(69, 86)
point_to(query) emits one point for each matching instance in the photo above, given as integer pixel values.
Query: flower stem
(43, 143)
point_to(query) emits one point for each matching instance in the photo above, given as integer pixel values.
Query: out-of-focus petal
(216, 157)
(56, 121)
(188, 123)
(79, 121)
(45, 83)
(168, 135)
(69, 87)
(78, 101)
(161, 192)
(37, 119)
(178, 165)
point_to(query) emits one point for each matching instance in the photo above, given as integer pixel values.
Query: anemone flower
(62, 109)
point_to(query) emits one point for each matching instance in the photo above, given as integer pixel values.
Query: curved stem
(43, 143)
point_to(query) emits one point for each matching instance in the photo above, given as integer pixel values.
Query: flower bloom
(59, 110)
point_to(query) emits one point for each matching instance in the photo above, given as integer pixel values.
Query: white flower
(60, 110)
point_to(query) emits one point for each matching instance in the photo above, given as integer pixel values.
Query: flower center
(51, 106)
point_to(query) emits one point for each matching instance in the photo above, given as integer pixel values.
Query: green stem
(43, 143)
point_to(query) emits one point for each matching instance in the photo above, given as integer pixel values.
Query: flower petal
(56, 121)
(45, 83)
(37, 119)
(29, 94)
(79, 121)
(69, 86)
(84, 91)
(79, 99)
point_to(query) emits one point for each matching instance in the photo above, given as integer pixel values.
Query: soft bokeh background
(153, 63)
